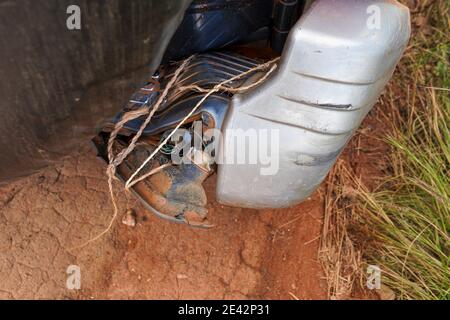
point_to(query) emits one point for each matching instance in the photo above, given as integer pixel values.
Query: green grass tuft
(409, 214)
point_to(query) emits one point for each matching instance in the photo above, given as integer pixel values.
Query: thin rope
(218, 87)
(115, 161)
(124, 153)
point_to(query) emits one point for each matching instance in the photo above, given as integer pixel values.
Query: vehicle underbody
(293, 117)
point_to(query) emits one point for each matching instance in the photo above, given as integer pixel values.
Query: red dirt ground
(249, 254)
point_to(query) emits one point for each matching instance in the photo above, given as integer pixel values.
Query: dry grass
(340, 259)
(401, 224)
